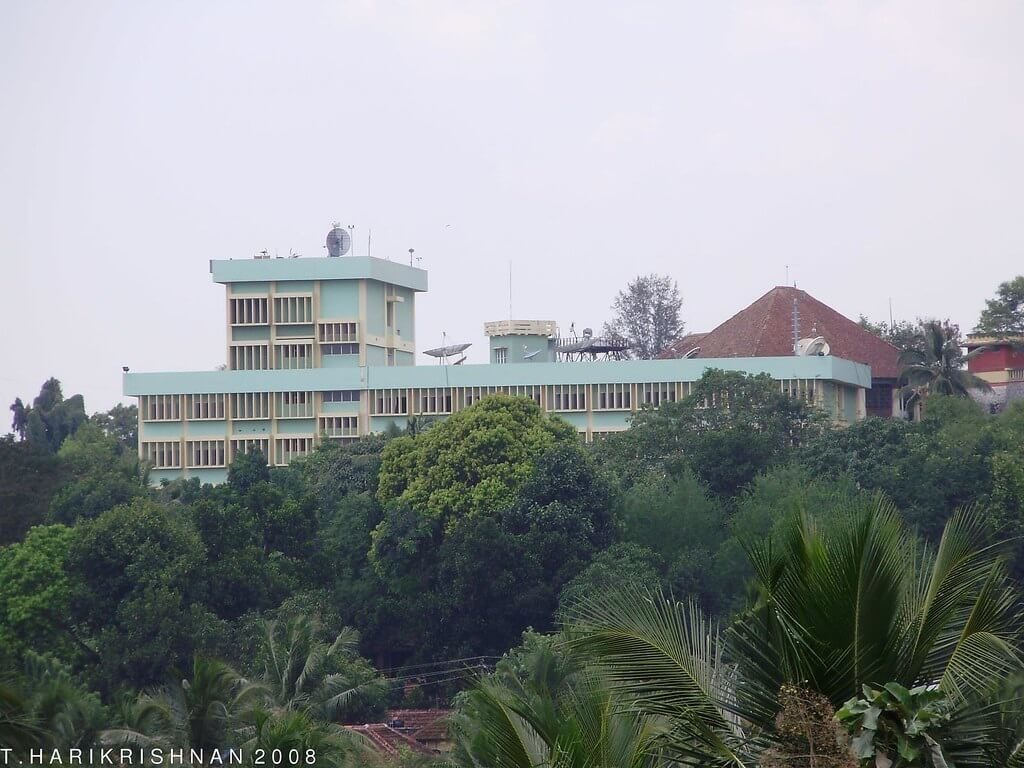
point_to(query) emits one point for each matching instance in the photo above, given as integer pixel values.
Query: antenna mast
(796, 328)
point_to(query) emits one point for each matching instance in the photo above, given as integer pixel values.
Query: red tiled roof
(386, 740)
(422, 724)
(765, 329)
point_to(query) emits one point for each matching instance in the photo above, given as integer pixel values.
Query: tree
(731, 427)
(475, 460)
(121, 423)
(134, 572)
(206, 711)
(305, 671)
(29, 476)
(902, 334)
(647, 315)
(99, 475)
(541, 708)
(50, 419)
(1004, 314)
(835, 611)
(937, 367)
(35, 595)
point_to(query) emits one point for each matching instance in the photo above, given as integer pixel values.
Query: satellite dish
(339, 241)
(816, 347)
(531, 355)
(692, 353)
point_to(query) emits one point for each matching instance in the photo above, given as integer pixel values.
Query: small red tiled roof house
(765, 329)
(1000, 362)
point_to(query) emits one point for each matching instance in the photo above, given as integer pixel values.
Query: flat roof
(490, 375)
(321, 268)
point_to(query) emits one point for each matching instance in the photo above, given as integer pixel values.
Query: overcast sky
(877, 148)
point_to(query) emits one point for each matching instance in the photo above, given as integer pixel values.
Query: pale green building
(325, 349)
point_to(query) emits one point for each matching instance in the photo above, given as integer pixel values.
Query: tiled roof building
(766, 329)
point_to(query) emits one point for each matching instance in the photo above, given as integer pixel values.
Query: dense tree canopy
(134, 609)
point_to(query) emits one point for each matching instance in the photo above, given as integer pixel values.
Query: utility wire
(448, 662)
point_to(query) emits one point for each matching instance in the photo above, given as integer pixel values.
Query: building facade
(1000, 362)
(324, 349)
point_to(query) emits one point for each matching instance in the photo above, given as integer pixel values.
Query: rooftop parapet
(324, 268)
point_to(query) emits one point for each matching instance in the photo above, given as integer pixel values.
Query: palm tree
(553, 714)
(68, 716)
(865, 604)
(304, 673)
(936, 367)
(18, 729)
(205, 713)
(295, 733)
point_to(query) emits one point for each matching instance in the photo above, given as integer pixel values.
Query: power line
(447, 662)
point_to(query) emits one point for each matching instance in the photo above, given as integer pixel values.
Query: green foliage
(621, 565)
(836, 611)
(732, 427)
(542, 708)
(474, 461)
(122, 424)
(1004, 313)
(647, 316)
(29, 477)
(134, 573)
(936, 367)
(897, 724)
(902, 334)
(35, 594)
(99, 474)
(325, 679)
(50, 419)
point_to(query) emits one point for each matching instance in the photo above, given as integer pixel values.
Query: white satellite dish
(816, 347)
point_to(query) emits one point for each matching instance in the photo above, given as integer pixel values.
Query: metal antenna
(352, 237)
(796, 327)
(411, 252)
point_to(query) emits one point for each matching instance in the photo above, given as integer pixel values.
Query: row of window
(339, 332)
(437, 400)
(560, 397)
(288, 310)
(248, 311)
(207, 454)
(244, 405)
(288, 355)
(293, 310)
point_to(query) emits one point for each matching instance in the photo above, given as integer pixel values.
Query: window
(341, 396)
(293, 310)
(389, 402)
(250, 405)
(501, 355)
(800, 389)
(288, 448)
(198, 407)
(250, 357)
(433, 400)
(338, 332)
(339, 426)
(205, 453)
(391, 356)
(164, 454)
(879, 398)
(656, 393)
(248, 311)
(567, 397)
(292, 356)
(294, 405)
(161, 407)
(340, 349)
(250, 445)
(612, 397)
